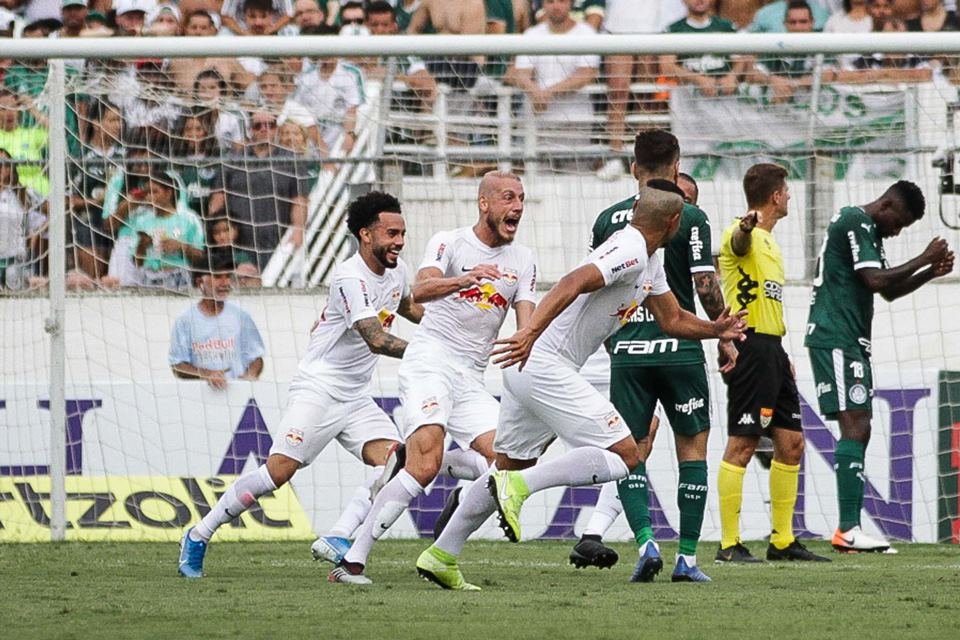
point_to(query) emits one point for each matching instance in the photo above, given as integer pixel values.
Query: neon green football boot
(440, 568)
(509, 490)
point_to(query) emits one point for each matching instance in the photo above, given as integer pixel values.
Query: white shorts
(313, 418)
(436, 388)
(548, 399)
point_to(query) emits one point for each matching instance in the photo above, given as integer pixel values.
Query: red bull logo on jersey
(626, 311)
(647, 287)
(510, 277)
(386, 318)
(483, 296)
(429, 405)
(294, 437)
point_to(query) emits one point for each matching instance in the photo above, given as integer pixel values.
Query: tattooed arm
(379, 340)
(708, 290)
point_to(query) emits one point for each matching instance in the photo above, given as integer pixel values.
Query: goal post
(103, 442)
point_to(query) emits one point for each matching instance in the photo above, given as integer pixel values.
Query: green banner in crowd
(948, 501)
(731, 133)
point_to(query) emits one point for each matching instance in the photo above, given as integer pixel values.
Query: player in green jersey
(851, 268)
(647, 365)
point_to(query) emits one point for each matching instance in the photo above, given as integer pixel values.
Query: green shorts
(681, 389)
(844, 379)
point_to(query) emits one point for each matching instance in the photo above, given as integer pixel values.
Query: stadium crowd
(171, 156)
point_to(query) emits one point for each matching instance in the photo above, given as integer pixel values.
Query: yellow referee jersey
(755, 281)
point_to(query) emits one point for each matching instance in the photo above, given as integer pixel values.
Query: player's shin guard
(692, 501)
(783, 497)
(238, 497)
(730, 490)
(848, 464)
(635, 498)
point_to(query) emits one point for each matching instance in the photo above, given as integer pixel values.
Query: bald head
(500, 201)
(654, 210)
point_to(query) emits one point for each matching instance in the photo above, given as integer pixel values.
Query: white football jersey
(338, 361)
(467, 321)
(629, 276)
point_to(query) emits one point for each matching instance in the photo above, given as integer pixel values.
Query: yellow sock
(730, 489)
(783, 498)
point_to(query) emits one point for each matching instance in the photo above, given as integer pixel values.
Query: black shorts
(761, 390)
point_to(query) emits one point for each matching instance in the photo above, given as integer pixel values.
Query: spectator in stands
(257, 17)
(332, 90)
(552, 83)
(168, 236)
(210, 90)
(248, 276)
(183, 71)
(308, 13)
(738, 12)
(627, 17)
(411, 71)
(787, 74)
(351, 18)
(265, 195)
(23, 142)
(224, 235)
(215, 340)
(273, 87)
(853, 19)
(405, 10)
(933, 17)
(452, 18)
(131, 15)
(880, 67)
(590, 11)
(102, 157)
(21, 211)
(163, 20)
(196, 158)
(712, 74)
(772, 17)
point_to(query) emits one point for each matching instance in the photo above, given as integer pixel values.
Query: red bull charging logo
(625, 312)
(386, 318)
(483, 296)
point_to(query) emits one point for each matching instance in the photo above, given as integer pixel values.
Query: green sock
(692, 500)
(636, 503)
(848, 464)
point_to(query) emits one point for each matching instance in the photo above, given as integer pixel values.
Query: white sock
(606, 512)
(464, 464)
(575, 468)
(238, 498)
(476, 505)
(355, 511)
(392, 500)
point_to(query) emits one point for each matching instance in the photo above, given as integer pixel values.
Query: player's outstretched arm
(935, 261)
(378, 340)
(431, 285)
(411, 310)
(516, 349)
(680, 323)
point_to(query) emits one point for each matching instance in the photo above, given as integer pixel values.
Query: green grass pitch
(275, 590)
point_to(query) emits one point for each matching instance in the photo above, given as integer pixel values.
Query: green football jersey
(641, 342)
(841, 307)
(707, 63)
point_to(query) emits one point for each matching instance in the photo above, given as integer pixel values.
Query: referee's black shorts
(761, 390)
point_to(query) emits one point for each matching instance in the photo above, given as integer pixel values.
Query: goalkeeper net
(167, 158)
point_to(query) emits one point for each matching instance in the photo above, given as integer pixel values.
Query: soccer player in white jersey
(329, 396)
(546, 397)
(468, 280)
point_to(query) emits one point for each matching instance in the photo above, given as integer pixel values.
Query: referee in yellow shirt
(762, 396)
